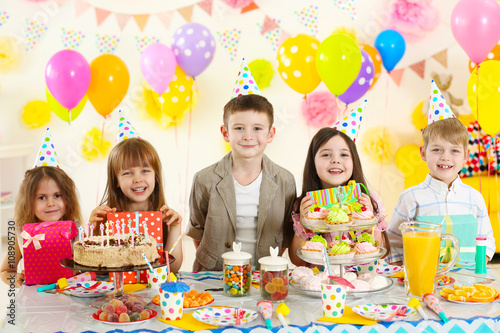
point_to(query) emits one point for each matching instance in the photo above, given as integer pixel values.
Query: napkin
(349, 317)
(188, 322)
(132, 288)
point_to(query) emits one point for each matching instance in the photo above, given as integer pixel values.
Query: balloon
(194, 48)
(68, 77)
(391, 46)
(338, 62)
(108, 84)
(297, 63)
(363, 81)
(376, 58)
(489, 96)
(410, 163)
(476, 27)
(63, 112)
(493, 55)
(158, 66)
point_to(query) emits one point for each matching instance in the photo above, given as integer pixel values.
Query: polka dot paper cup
(370, 267)
(333, 300)
(153, 281)
(171, 305)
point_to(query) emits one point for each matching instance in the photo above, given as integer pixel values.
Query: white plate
(102, 289)
(323, 227)
(388, 270)
(223, 316)
(343, 261)
(381, 312)
(317, 293)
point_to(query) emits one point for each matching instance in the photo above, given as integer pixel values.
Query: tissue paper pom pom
(94, 146)
(413, 18)
(419, 119)
(320, 109)
(347, 31)
(36, 114)
(238, 3)
(10, 53)
(379, 145)
(262, 72)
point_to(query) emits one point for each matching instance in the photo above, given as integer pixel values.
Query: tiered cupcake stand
(355, 261)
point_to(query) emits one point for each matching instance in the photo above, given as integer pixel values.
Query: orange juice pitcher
(421, 244)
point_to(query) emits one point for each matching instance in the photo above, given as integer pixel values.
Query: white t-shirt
(247, 209)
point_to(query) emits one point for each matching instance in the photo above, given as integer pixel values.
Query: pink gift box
(45, 244)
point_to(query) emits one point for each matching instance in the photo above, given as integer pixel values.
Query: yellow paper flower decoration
(36, 114)
(94, 146)
(10, 53)
(262, 72)
(347, 31)
(419, 119)
(379, 145)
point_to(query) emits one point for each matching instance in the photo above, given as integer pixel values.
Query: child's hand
(99, 214)
(365, 201)
(19, 279)
(305, 204)
(170, 216)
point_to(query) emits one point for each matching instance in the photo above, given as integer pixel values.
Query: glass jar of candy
(273, 277)
(237, 271)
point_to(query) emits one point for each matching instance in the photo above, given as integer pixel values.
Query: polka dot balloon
(47, 155)
(363, 81)
(125, 129)
(493, 55)
(350, 124)
(438, 107)
(245, 83)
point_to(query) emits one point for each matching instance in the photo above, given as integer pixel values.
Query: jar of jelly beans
(237, 272)
(274, 277)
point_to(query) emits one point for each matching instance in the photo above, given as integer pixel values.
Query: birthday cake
(99, 252)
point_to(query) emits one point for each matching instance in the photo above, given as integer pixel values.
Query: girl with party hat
(46, 194)
(135, 184)
(332, 161)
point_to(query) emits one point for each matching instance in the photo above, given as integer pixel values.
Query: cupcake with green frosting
(338, 216)
(367, 237)
(341, 251)
(313, 249)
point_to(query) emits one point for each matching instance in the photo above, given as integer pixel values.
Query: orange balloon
(493, 55)
(377, 60)
(108, 83)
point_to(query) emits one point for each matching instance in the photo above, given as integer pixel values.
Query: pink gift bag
(45, 244)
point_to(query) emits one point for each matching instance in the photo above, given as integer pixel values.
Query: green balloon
(338, 62)
(61, 111)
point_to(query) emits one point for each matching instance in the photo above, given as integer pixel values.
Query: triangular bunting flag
(80, 7)
(61, 3)
(71, 39)
(206, 5)
(4, 16)
(347, 6)
(269, 25)
(419, 68)
(308, 17)
(230, 40)
(165, 18)
(101, 15)
(33, 31)
(143, 42)
(442, 57)
(249, 8)
(284, 35)
(397, 75)
(186, 12)
(141, 20)
(273, 36)
(122, 20)
(106, 43)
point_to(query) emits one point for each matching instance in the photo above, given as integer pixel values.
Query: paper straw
(177, 241)
(167, 259)
(149, 264)
(326, 262)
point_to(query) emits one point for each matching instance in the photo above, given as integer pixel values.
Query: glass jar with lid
(237, 272)
(274, 276)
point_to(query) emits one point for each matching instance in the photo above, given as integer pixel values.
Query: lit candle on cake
(118, 233)
(91, 231)
(123, 230)
(145, 226)
(102, 234)
(132, 231)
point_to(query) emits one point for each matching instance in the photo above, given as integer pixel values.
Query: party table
(42, 312)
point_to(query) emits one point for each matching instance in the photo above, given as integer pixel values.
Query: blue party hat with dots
(438, 107)
(125, 129)
(245, 83)
(350, 124)
(47, 155)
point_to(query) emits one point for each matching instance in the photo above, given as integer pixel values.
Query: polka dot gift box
(172, 299)
(245, 83)
(350, 124)
(47, 154)
(333, 300)
(438, 107)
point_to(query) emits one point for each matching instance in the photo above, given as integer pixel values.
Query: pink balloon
(68, 77)
(476, 27)
(158, 66)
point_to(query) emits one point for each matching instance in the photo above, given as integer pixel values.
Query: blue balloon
(391, 46)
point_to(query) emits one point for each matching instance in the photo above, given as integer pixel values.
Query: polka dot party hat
(245, 83)
(125, 129)
(47, 155)
(438, 107)
(350, 124)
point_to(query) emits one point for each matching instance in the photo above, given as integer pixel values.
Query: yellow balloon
(297, 63)
(338, 61)
(36, 114)
(488, 95)
(108, 84)
(410, 163)
(61, 111)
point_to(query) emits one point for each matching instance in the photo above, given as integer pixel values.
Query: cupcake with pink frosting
(317, 217)
(363, 216)
(313, 248)
(365, 249)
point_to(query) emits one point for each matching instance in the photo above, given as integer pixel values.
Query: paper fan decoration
(245, 83)
(230, 39)
(106, 43)
(350, 124)
(33, 31)
(125, 129)
(47, 155)
(438, 107)
(309, 18)
(144, 41)
(71, 39)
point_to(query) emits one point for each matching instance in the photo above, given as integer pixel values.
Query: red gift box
(45, 244)
(136, 219)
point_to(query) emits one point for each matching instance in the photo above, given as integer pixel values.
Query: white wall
(388, 104)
